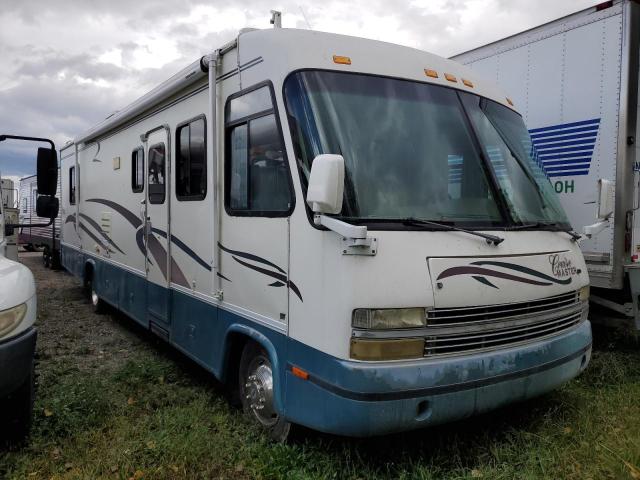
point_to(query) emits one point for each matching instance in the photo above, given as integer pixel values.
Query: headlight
(583, 294)
(389, 318)
(9, 319)
(387, 349)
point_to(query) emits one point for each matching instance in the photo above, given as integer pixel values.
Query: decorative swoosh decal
(97, 227)
(479, 273)
(529, 271)
(278, 276)
(93, 237)
(131, 217)
(250, 256)
(454, 271)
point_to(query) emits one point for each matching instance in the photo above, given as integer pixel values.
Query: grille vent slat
(501, 331)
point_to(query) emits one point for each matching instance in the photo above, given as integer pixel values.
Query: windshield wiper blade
(491, 239)
(575, 236)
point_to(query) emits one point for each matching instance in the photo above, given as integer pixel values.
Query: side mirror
(47, 171)
(47, 206)
(606, 190)
(326, 184)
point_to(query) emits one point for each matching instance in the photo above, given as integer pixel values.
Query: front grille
(453, 316)
(454, 331)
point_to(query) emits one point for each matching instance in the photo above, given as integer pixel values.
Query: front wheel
(256, 392)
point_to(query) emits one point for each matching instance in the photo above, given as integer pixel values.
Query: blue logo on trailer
(565, 150)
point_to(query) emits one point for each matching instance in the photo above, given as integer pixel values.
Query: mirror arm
(20, 225)
(30, 139)
(354, 237)
(596, 228)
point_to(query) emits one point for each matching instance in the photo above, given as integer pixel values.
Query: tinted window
(256, 101)
(191, 161)
(137, 170)
(72, 185)
(156, 174)
(257, 170)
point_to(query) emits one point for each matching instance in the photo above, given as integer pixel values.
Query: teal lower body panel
(363, 399)
(346, 397)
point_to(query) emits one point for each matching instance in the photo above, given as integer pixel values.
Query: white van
(348, 232)
(17, 341)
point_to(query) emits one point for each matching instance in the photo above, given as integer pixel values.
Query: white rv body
(207, 278)
(575, 81)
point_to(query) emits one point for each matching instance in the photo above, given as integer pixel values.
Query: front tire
(97, 304)
(257, 394)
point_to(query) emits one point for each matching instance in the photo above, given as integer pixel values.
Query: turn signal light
(509, 101)
(341, 60)
(468, 83)
(386, 349)
(430, 73)
(451, 78)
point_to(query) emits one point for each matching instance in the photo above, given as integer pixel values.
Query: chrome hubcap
(94, 297)
(259, 391)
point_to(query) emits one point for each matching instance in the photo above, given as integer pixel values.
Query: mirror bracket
(596, 228)
(355, 240)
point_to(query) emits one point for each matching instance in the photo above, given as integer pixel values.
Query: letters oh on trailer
(355, 245)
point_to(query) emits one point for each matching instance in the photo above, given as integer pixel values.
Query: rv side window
(257, 175)
(25, 204)
(72, 185)
(191, 160)
(137, 170)
(156, 173)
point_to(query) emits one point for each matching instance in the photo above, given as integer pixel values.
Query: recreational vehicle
(575, 81)
(349, 233)
(32, 237)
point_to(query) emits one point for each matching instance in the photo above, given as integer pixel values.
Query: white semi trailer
(575, 81)
(350, 233)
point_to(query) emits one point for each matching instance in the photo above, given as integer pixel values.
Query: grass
(114, 402)
(158, 416)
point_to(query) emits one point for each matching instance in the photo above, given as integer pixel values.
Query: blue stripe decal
(565, 149)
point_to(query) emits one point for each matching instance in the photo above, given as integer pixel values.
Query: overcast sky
(67, 64)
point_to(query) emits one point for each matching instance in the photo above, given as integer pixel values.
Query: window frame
(200, 196)
(140, 151)
(72, 185)
(228, 127)
(149, 193)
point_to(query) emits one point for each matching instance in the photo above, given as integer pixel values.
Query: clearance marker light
(341, 60)
(509, 101)
(451, 78)
(430, 73)
(468, 83)
(298, 372)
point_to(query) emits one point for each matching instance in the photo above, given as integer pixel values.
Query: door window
(157, 173)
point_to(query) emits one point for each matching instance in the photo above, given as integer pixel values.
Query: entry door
(157, 226)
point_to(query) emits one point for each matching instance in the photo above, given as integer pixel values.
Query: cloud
(68, 64)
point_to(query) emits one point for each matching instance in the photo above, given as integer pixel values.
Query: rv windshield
(410, 152)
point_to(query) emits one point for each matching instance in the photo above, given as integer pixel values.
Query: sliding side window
(191, 160)
(72, 185)
(257, 178)
(137, 170)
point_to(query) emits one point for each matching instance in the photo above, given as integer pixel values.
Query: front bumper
(16, 360)
(364, 399)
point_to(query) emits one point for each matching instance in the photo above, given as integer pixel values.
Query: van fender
(264, 342)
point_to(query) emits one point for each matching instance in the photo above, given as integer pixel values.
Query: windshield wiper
(491, 239)
(574, 235)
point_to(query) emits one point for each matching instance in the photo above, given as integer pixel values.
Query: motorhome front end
(351, 232)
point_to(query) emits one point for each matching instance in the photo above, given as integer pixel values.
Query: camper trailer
(575, 81)
(32, 237)
(349, 233)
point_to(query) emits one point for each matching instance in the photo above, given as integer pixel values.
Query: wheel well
(88, 273)
(235, 344)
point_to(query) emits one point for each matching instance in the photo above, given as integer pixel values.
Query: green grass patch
(153, 417)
